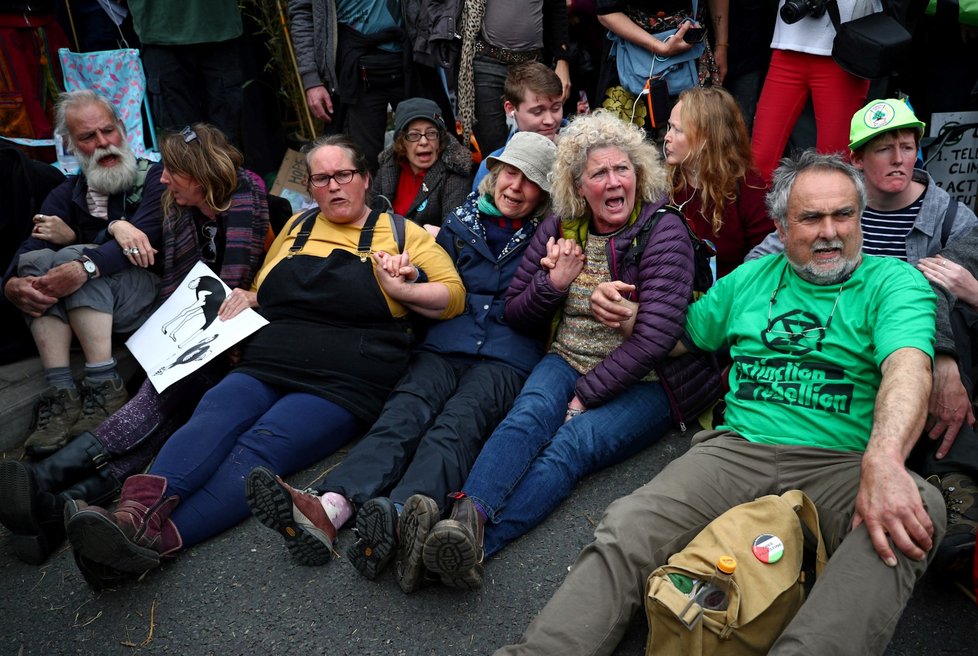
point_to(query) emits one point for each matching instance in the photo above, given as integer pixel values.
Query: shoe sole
(96, 537)
(376, 531)
(419, 516)
(272, 506)
(450, 552)
(17, 489)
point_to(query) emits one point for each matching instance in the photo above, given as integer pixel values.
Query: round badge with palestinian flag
(768, 548)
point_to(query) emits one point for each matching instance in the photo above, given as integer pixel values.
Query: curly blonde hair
(208, 158)
(719, 150)
(586, 134)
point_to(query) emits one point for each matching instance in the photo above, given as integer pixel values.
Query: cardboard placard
(290, 181)
(953, 162)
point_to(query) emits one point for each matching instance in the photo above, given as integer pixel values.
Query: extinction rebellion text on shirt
(814, 385)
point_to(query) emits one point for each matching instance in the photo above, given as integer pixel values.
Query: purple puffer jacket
(663, 280)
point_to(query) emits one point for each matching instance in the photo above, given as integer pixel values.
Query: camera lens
(793, 11)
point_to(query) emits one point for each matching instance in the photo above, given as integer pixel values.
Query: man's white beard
(109, 180)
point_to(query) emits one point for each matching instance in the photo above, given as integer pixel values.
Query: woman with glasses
(460, 384)
(708, 157)
(213, 210)
(425, 173)
(338, 287)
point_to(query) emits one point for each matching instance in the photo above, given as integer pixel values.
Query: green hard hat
(881, 116)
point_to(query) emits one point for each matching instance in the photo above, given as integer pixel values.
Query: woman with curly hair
(595, 398)
(708, 156)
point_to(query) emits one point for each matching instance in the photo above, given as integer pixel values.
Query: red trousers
(791, 78)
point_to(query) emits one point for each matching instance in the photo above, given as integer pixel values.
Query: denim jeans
(533, 460)
(240, 424)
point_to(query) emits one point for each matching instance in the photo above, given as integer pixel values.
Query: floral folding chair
(118, 75)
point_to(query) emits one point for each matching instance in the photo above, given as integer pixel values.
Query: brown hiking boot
(54, 414)
(453, 548)
(99, 401)
(419, 516)
(298, 516)
(956, 552)
(133, 538)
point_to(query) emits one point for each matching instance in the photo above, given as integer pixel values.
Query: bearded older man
(73, 278)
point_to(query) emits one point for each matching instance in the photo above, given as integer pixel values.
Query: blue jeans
(533, 460)
(240, 424)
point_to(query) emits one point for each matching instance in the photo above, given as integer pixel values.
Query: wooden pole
(71, 22)
(295, 67)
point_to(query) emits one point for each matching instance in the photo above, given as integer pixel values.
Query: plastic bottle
(66, 156)
(713, 595)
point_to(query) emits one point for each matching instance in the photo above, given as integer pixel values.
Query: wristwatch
(89, 266)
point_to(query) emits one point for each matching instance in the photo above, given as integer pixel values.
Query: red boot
(133, 538)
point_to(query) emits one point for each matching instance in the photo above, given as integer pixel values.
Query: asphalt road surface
(240, 594)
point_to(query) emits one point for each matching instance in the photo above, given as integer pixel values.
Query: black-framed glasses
(342, 177)
(208, 249)
(798, 334)
(188, 134)
(430, 135)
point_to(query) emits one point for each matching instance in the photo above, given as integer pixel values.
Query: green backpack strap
(135, 194)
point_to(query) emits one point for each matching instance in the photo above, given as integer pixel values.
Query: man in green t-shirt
(830, 382)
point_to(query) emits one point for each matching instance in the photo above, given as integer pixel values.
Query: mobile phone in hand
(694, 35)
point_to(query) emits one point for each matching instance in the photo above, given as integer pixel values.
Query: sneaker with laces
(298, 516)
(955, 553)
(54, 415)
(376, 533)
(99, 401)
(453, 548)
(419, 516)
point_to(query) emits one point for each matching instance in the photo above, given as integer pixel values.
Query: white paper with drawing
(185, 333)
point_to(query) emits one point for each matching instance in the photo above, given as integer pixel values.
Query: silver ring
(132, 251)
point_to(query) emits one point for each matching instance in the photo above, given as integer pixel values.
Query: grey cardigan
(314, 34)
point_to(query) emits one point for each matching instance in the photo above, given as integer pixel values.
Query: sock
(479, 509)
(99, 372)
(60, 378)
(337, 508)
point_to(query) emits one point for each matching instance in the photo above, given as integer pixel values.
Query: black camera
(794, 10)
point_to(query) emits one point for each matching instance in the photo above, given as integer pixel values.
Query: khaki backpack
(762, 597)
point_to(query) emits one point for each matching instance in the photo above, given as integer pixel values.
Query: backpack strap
(641, 240)
(135, 194)
(808, 515)
(950, 214)
(398, 229)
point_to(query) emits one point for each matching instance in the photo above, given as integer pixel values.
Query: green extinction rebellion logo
(879, 115)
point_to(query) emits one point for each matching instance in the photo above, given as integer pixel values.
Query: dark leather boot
(133, 538)
(32, 501)
(453, 548)
(77, 460)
